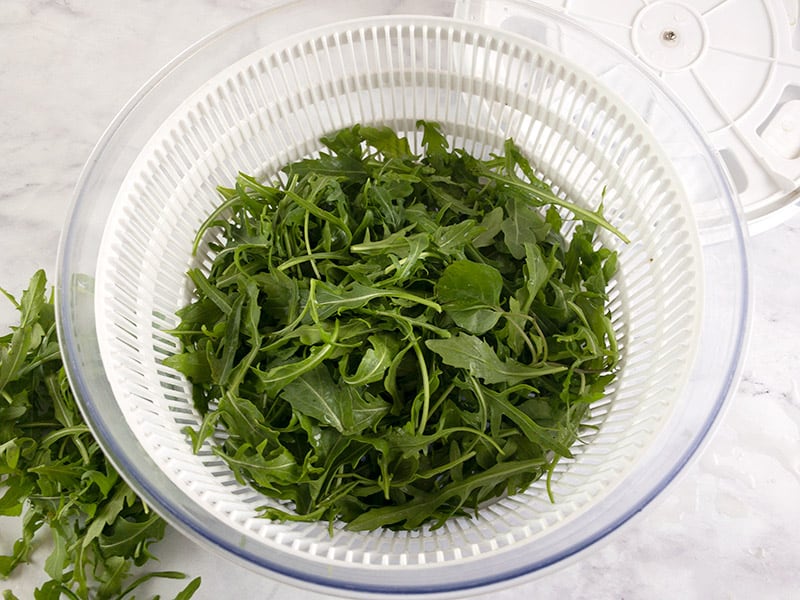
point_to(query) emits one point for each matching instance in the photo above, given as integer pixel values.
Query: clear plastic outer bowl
(594, 121)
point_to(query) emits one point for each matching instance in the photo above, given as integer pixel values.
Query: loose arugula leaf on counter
(55, 475)
(392, 339)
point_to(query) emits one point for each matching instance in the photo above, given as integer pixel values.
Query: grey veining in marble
(729, 527)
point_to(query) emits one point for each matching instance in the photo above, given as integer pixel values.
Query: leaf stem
(309, 251)
(426, 386)
(551, 198)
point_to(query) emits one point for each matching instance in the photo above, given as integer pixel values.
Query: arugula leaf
(132, 537)
(414, 513)
(342, 165)
(522, 225)
(387, 142)
(491, 225)
(277, 378)
(477, 357)
(328, 301)
(374, 362)
(341, 406)
(436, 145)
(276, 467)
(469, 293)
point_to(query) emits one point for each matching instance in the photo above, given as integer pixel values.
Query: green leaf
(230, 341)
(282, 295)
(387, 142)
(451, 239)
(316, 395)
(51, 590)
(539, 195)
(277, 378)
(185, 594)
(412, 514)
(329, 300)
(54, 565)
(109, 512)
(533, 431)
(116, 570)
(128, 537)
(104, 481)
(341, 166)
(490, 226)
(375, 361)
(480, 360)
(189, 591)
(209, 291)
(406, 266)
(514, 334)
(13, 357)
(10, 451)
(522, 225)
(537, 271)
(192, 363)
(206, 430)
(382, 198)
(468, 291)
(276, 468)
(394, 243)
(243, 417)
(435, 143)
(33, 300)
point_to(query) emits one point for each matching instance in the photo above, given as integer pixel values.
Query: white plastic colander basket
(270, 108)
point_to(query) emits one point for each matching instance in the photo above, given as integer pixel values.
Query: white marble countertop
(728, 527)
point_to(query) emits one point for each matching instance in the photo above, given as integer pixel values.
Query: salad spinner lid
(735, 64)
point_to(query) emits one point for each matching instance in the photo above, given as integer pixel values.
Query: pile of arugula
(391, 339)
(53, 472)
